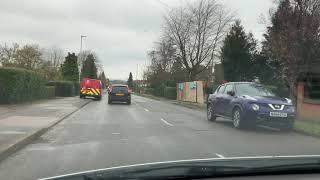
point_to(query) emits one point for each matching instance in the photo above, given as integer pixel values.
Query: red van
(91, 88)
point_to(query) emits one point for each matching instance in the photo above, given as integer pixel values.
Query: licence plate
(119, 94)
(278, 114)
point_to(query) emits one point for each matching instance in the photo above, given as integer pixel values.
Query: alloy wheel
(236, 118)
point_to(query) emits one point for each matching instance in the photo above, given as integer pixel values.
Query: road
(101, 135)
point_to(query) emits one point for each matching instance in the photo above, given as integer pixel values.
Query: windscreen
(119, 89)
(252, 90)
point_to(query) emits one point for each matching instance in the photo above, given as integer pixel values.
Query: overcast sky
(119, 31)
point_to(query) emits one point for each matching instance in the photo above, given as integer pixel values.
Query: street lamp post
(81, 37)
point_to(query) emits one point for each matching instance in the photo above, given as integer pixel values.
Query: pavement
(101, 136)
(20, 124)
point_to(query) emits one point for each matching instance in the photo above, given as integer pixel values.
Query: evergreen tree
(103, 79)
(237, 54)
(130, 81)
(69, 69)
(89, 68)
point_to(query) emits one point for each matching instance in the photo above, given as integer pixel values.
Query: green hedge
(170, 92)
(149, 91)
(76, 87)
(20, 85)
(159, 90)
(49, 92)
(63, 88)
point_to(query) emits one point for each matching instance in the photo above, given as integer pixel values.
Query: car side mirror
(231, 93)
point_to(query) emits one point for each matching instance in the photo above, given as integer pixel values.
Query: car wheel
(237, 118)
(210, 113)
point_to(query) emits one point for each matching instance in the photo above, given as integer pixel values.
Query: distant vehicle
(249, 104)
(120, 93)
(91, 88)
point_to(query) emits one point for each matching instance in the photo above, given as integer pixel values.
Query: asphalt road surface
(102, 135)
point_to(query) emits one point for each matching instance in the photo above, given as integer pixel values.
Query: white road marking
(146, 109)
(220, 156)
(44, 148)
(115, 133)
(12, 132)
(166, 122)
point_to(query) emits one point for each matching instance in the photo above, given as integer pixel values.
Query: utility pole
(137, 78)
(81, 37)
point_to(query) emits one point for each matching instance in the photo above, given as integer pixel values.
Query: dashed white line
(166, 122)
(12, 132)
(115, 133)
(146, 109)
(220, 156)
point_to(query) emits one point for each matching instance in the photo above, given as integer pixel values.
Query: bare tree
(28, 57)
(8, 54)
(54, 56)
(197, 30)
(52, 59)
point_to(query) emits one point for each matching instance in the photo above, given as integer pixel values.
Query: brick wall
(305, 110)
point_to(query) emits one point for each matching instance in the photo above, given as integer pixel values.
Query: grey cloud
(119, 31)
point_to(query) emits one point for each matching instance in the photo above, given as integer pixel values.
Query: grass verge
(307, 127)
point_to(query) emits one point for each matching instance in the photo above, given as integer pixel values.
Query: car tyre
(237, 119)
(210, 113)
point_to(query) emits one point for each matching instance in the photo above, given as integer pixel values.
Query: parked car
(249, 104)
(120, 93)
(91, 88)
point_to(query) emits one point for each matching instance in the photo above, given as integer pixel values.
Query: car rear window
(117, 89)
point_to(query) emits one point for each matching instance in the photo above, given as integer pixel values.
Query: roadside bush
(49, 92)
(170, 92)
(76, 87)
(210, 89)
(63, 88)
(149, 91)
(159, 90)
(20, 85)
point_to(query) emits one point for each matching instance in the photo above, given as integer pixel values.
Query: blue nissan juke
(249, 104)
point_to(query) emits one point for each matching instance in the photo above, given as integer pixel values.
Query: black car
(249, 104)
(119, 93)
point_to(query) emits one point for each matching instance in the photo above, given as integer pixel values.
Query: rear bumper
(90, 95)
(91, 92)
(125, 98)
